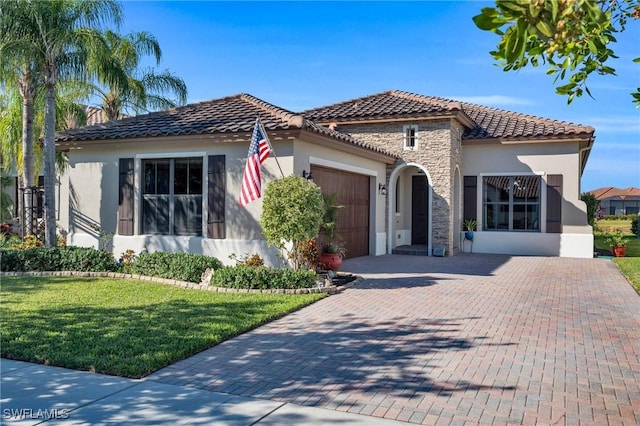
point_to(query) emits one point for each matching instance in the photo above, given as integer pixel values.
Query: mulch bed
(342, 279)
(602, 252)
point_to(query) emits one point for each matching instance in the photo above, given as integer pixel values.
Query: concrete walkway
(35, 394)
(473, 339)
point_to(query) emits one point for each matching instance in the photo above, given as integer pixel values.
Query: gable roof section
(618, 193)
(232, 114)
(495, 123)
(387, 106)
(481, 122)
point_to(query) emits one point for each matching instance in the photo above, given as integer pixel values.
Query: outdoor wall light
(307, 176)
(382, 189)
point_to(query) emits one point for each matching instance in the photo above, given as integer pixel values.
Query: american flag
(259, 150)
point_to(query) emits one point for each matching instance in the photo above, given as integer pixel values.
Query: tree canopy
(52, 54)
(292, 212)
(573, 37)
(145, 88)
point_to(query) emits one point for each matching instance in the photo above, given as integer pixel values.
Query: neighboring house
(408, 169)
(617, 201)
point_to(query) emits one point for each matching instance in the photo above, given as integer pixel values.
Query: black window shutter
(125, 197)
(470, 198)
(216, 196)
(554, 204)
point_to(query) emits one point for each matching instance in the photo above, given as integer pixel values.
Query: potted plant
(469, 226)
(617, 242)
(332, 251)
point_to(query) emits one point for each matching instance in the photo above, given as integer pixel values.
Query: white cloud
(615, 124)
(494, 100)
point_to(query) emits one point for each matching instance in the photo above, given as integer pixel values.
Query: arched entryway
(410, 212)
(457, 202)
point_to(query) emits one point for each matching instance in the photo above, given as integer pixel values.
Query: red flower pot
(618, 251)
(330, 261)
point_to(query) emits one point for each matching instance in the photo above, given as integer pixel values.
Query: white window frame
(405, 137)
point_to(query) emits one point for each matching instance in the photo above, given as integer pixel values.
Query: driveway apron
(471, 339)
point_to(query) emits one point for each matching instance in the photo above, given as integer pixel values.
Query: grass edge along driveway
(630, 268)
(124, 327)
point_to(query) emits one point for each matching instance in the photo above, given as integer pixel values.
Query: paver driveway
(463, 340)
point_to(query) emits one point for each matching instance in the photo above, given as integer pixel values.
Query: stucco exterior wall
(541, 159)
(90, 205)
(89, 198)
(306, 154)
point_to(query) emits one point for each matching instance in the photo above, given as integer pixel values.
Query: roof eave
(529, 139)
(232, 137)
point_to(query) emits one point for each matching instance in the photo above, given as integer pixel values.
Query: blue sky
(299, 55)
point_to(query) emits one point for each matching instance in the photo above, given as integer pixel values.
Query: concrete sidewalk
(32, 394)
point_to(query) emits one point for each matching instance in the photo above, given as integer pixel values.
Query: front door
(419, 210)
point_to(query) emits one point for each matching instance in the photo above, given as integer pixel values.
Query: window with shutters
(511, 203)
(172, 194)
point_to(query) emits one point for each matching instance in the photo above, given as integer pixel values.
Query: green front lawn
(604, 227)
(632, 249)
(630, 267)
(124, 327)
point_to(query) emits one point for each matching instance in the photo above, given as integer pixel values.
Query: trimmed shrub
(176, 266)
(292, 210)
(85, 259)
(262, 277)
(621, 217)
(634, 226)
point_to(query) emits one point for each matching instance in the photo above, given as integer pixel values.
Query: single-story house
(407, 168)
(618, 201)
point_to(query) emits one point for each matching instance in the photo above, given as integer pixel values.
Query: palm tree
(145, 89)
(19, 65)
(11, 129)
(61, 40)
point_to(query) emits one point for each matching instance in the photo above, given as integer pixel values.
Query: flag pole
(264, 132)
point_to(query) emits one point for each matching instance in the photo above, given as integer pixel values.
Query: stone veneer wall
(436, 151)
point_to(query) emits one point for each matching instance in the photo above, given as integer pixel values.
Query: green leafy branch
(573, 37)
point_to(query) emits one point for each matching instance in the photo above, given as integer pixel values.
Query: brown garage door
(353, 218)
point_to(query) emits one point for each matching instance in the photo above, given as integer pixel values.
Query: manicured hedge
(176, 266)
(262, 277)
(620, 217)
(57, 259)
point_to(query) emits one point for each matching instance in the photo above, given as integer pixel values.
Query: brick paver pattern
(472, 339)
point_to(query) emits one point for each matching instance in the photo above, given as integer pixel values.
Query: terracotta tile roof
(485, 122)
(391, 104)
(232, 114)
(619, 193)
(496, 123)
